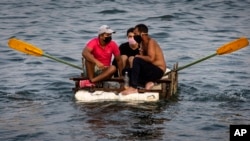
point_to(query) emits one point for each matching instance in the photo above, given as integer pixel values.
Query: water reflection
(128, 121)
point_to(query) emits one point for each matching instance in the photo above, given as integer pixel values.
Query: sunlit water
(36, 100)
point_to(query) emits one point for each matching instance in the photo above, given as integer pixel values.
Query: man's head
(130, 32)
(105, 33)
(105, 29)
(140, 30)
(130, 35)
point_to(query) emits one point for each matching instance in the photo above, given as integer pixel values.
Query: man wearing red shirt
(98, 53)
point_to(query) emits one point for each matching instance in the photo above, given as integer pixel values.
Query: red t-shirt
(104, 55)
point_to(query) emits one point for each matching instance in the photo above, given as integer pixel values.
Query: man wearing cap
(98, 53)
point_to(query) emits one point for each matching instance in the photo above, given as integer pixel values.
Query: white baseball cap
(105, 29)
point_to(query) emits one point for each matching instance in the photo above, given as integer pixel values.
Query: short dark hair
(142, 28)
(130, 30)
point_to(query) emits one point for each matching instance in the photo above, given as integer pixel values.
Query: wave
(112, 11)
(163, 17)
(213, 93)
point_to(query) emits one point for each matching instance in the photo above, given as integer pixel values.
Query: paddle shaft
(195, 62)
(61, 61)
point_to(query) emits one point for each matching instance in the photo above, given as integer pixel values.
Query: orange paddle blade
(24, 47)
(233, 46)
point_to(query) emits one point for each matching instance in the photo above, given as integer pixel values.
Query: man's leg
(105, 74)
(90, 68)
(152, 74)
(135, 72)
(130, 61)
(149, 85)
(142, 72)
(124, 61)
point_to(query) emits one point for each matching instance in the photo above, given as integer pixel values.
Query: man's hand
(100, 65)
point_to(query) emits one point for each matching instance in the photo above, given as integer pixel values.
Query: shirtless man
(150, 65)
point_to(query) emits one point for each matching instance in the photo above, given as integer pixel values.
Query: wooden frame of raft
(166, 86)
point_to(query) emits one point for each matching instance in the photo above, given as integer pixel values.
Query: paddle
(33, 50)
(224, 49)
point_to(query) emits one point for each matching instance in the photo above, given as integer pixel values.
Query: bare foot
(149, 85)
(129, 90)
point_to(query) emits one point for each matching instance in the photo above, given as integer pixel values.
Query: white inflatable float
(97, 96)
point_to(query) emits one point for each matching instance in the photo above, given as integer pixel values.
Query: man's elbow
(84, 53)
(151, 60)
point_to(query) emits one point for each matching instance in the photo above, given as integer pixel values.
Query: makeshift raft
(109, 90)
(165, 89)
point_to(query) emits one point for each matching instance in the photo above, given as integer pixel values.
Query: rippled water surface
(36, 100)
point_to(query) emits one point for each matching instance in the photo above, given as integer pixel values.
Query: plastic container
(126, 80)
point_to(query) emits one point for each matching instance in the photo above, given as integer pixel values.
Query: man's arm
(86, 53)
(119, 64)
(150, 57)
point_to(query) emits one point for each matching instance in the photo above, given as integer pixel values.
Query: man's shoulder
(152, 42)
(113, 44)
(93, 39)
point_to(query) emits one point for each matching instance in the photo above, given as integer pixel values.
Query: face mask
(138, 38)
(131, 41)
(107, 39)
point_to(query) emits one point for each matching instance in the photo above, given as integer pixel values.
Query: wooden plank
(164, 80)
(116, 90)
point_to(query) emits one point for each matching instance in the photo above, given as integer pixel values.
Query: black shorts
(143, 72)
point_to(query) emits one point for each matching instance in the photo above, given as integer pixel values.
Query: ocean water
(36, 97)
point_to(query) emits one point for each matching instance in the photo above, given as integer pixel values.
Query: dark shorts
(143, 72)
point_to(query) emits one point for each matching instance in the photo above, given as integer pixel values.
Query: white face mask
(131, 41)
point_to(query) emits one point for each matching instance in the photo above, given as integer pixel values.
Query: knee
(131, 58)
(124, 57)
(112, 68)
(136, 60)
